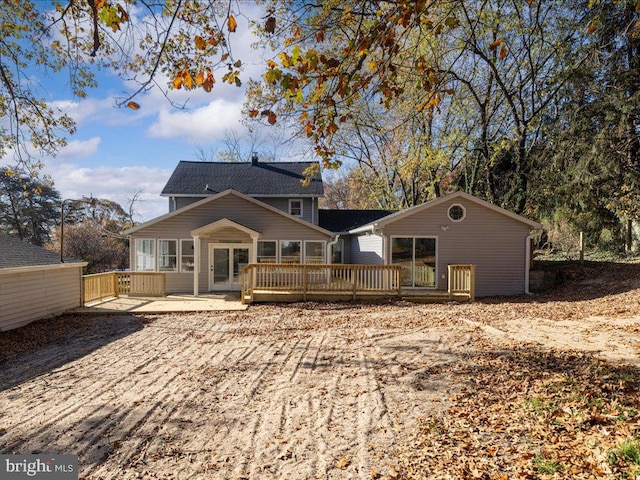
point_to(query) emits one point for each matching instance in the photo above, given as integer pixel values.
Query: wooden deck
(300, 282)
(113, 284)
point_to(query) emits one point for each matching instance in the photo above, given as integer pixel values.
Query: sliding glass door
(417, 257)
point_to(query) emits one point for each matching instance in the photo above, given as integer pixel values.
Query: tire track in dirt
(204, 399)
(134, 434)
(80, 421)
(186, 406)
(120, 364)
(94, 374)
(270, 443)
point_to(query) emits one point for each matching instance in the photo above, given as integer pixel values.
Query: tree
(591, 172)
(268, 145)
(183, 42)
(92, 233)
(29, 208)
(102, 251)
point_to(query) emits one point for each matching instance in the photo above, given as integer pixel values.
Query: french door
(417, 257)
(225, 263)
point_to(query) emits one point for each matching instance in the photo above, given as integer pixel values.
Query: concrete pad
(228, 301)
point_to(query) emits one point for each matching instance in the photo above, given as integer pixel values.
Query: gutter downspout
(527, 260)
(329, 245)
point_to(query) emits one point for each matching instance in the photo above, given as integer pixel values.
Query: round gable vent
(456, 213)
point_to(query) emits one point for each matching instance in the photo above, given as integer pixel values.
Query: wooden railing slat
(306, 278)
(113, 284)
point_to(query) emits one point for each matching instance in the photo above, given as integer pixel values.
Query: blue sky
(117, 151)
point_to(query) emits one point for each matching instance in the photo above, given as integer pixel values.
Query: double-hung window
(187, 258)
(267, 251)
(295, 207)
(314, 252)
(290, 251)
(167, 255)
(145, 255)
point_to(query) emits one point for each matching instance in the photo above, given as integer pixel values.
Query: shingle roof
(345, 220)
(16, 253)
(280, 178)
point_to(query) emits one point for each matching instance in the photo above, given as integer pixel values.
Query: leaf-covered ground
(532, 410)
(544, 386)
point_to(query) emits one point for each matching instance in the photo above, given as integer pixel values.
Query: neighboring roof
(266, 179)
(345, 220)
(15, 253)
(213, 198)
(437, 201)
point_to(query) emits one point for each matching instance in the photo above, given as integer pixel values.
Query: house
(223, 216)
(35, 284)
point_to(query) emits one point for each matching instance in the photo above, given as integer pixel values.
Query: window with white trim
(456, 212)
(187, 256)
(267, 251)
(167, 255)
(295, 207)
(290, 251)
(145, 255)
(314, 252)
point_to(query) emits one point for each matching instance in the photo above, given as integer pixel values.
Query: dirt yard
(337, 391)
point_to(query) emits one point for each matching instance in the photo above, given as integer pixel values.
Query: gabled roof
(345, 220)
(224, 223)
(437, 201)
(262, 179)
(15, 253)
(213, 198)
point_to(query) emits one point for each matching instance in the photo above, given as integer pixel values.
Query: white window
(337, 252)
(167, 255)
(187, 257)
(290, 251)
(314, 252)
(456, 213)
(295, 207)
(145, 255)
(267, 251)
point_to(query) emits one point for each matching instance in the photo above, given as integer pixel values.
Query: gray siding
(309, 206)
(183, 202)
(366, 249)
(488, 239)
(271, 225)
(283, 204)
(32, 295)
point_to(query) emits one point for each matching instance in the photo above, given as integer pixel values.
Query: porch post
(196, 266)
(254, 254)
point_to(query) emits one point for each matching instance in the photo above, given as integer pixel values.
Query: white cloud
(115, 183)
(79, 149)
(98, 110)
(204, 124)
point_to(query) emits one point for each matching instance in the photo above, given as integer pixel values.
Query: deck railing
(462, 281)
(306, 279)
(353, 280)
(113, 284)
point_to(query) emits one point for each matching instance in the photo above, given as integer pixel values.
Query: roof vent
(254, 159)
